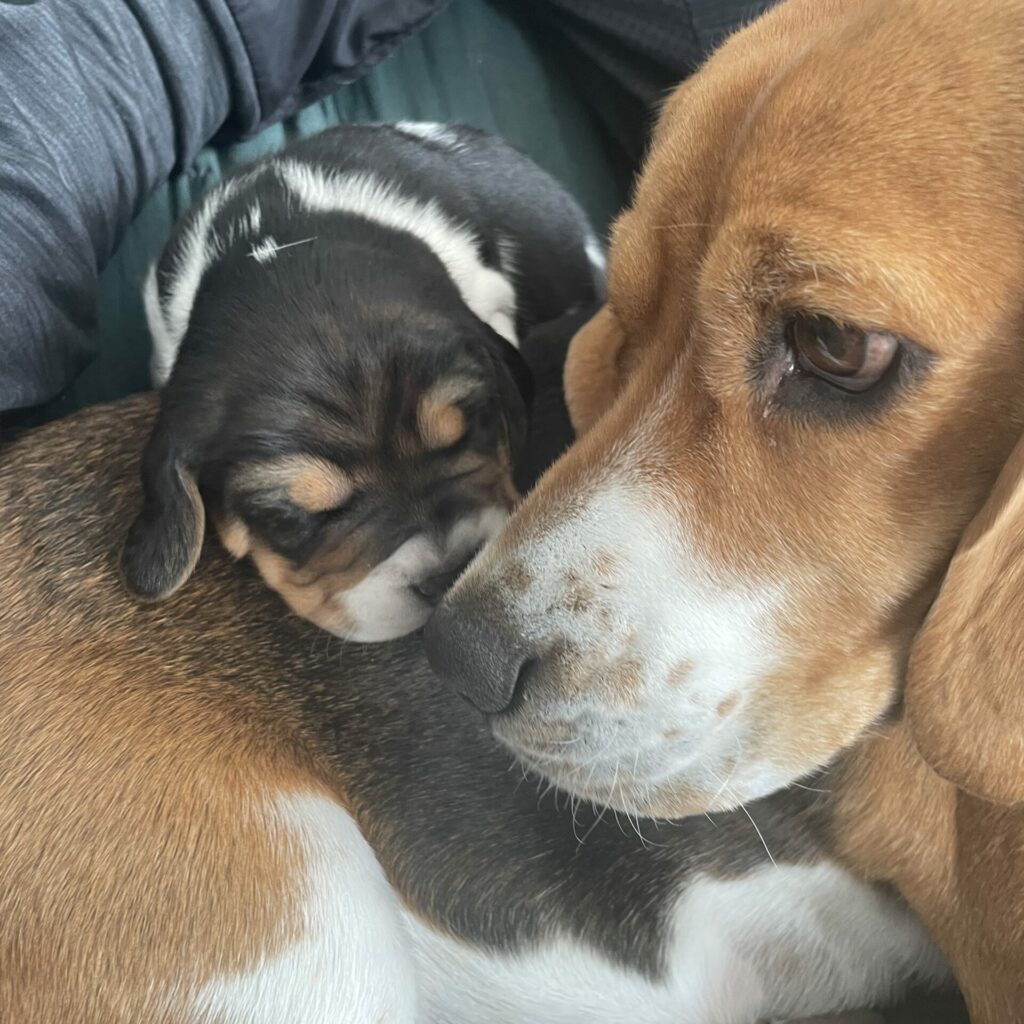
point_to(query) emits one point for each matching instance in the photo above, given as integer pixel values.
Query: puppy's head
(360, 455)
(808, 375)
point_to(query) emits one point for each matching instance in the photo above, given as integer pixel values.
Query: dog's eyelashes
(847, 357)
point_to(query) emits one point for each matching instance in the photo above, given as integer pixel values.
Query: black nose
(433, 588)
(478, 654)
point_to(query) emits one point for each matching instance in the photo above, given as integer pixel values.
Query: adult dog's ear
(965, 683)
(594, 369)
(163, 544)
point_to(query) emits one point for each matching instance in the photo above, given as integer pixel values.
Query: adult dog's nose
(478, 653)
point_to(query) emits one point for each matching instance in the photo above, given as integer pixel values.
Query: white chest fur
(778, 942)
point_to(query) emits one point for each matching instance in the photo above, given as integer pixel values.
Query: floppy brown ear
(594, 369)
(965, 683)
(163, 544)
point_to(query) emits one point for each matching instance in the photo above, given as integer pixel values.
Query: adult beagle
(795, 407)
(212, 811)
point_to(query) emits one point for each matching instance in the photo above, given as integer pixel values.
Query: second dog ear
(595, 369)
(163, 544)
(515, 380)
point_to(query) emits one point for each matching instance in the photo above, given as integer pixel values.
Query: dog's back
(210, 810)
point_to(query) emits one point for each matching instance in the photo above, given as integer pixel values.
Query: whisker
(750, 818)
(597, 821)
(810, 789)
(256, 252)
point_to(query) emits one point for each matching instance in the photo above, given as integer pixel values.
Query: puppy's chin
(391, 617)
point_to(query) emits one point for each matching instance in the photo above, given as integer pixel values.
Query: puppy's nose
(477, 654)
(433, 588)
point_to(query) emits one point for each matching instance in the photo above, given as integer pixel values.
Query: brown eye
(848, 357)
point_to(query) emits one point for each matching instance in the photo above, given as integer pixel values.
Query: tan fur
(313, 484)
(311, 590)
(440, 423)
(965, 680)
(145, 749)
(864, 160)
(139, 777)
(593, 369)
(235, 537)
(144, 778)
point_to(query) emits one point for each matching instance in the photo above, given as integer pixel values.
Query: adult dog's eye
(848, 357)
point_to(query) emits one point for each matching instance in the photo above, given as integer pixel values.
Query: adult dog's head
(808, 376)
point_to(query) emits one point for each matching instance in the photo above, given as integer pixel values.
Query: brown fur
(114, 748)
(860, 159)
(440, 422)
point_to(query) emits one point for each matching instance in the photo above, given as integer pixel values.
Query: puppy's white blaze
(485, 291)
(382, 607)
(165, 350)
(728, 941)
(432, 131)
(351, 962)
(197, 249)
(254, 219)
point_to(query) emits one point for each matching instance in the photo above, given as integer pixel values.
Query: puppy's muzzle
(476, 648)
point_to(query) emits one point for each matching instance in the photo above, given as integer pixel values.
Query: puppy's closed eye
(287, 500)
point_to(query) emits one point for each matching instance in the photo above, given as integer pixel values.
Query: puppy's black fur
(316, 331)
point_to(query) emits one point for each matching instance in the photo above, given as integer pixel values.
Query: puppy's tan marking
(439, 419)
(319, 485)
(310, 591)
(235, 537)
(312, 483)
(440, 425)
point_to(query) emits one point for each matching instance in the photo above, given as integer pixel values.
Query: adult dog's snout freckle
(478, 653)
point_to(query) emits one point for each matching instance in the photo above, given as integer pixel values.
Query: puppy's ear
(965, 683)
(594, 369)
(516, 383)
(163, 544)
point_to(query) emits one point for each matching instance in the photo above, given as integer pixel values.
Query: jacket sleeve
(102, 100)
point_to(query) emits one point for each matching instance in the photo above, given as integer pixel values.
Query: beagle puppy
(795, 408)
(335, 337)
(212, 811)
